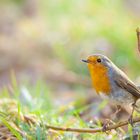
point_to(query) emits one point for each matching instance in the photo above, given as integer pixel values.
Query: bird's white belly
(103, 95)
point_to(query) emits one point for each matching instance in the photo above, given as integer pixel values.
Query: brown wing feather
(129, 86)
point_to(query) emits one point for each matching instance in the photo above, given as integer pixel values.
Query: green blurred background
(42, 43)
(46, 39)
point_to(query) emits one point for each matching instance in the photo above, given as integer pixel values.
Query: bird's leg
(108, 122)
(118, 109)
(130, 119)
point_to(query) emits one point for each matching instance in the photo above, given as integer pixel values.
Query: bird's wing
(123, 82)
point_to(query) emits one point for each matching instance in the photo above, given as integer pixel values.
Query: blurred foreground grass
(24, 115)
(25, 112)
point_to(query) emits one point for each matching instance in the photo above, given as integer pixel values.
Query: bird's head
(98, 60)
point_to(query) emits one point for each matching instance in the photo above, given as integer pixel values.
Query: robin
(112, 83)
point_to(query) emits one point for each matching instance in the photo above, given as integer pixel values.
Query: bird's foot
(106, 125)
(104, 128)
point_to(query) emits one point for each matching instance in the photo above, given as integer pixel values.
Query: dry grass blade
(88, 130)
(5, 133)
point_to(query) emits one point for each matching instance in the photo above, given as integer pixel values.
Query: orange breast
(100, 80)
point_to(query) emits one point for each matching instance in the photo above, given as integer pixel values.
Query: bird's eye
(99, 60)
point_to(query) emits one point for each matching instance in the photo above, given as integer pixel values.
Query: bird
(111, 83)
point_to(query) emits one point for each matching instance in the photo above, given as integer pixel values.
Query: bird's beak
(86, 61)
